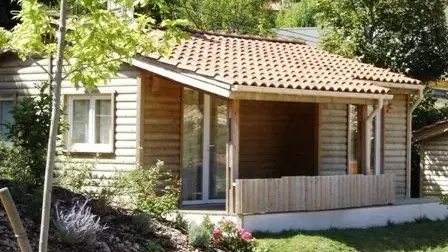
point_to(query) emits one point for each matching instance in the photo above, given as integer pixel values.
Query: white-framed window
(91, 125)
(6, 106)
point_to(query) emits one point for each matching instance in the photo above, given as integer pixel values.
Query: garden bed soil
(119, 236)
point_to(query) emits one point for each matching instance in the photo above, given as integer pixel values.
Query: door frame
(205, 156)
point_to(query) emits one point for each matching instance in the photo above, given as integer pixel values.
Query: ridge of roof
(250, 37)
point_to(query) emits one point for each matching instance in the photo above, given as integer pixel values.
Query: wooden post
(233, 153)
(421, 176)
(317, 142)
(14, 219)
(141, 81)
(235, 110)
(365, 140)
(378, 143)
(409, 111)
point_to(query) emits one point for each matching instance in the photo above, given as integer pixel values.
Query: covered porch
(273, 150)
(306, 155)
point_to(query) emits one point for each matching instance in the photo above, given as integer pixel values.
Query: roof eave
(412, 87)
(287, 94)
(430, 132)
(196, 81)
(191, 80)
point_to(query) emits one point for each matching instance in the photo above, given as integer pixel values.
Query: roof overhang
(402, 87)
(208, 85)
(182, 76)
(299, 95)
(430, 131)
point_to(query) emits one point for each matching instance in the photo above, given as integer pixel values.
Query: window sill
(90, 148)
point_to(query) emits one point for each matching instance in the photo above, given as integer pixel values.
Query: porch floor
(204, 209)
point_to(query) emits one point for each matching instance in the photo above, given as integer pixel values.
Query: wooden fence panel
(313, 193)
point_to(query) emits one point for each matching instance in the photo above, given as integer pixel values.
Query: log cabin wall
(277, 139)
(18, 78)
(333, 139)
(395, 128)
(161, 118)
(434, 166)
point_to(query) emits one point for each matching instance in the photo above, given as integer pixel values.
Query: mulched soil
(120, 235)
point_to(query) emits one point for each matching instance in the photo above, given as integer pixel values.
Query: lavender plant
(78, 225)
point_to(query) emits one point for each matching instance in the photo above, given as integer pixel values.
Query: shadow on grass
(420, 236)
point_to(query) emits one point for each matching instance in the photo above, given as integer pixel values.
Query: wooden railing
(289, 194)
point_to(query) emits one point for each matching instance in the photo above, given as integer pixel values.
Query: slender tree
(54, 125)
(91, 45)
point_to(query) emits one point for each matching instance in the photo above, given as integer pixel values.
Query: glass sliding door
(205, 134)
(218, 140)
(193, 122)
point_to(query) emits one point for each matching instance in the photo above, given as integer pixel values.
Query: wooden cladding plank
(313, 193)
(272, 137)
(395, 139)
(333, 141)
(161, 117)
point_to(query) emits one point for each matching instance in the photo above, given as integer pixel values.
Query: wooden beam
(181, 145)
(142, 81)
(398, 86)
(383, 138)
(408, 145)
(235, 120)
(318, 138)
(300, 98)
(367, 131)
(182, 77)
(233, 151)
(421, 171)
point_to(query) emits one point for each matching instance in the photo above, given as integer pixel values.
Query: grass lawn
(422, 236)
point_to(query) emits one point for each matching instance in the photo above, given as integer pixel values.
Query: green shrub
(16, 164)
(150, 190)
(207, 223)
(143, 224)
(199, 236)
(78, 177)
(180, 223)
(153, 247)
(25, 161)
(227, 235)
(444, 199)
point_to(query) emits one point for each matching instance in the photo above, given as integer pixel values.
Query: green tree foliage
(97, 41)
(7, 20)
(406, 36)
(90, 46)
(301, 14)
(234, 16)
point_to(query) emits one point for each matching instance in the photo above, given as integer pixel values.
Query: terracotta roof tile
(271, 62)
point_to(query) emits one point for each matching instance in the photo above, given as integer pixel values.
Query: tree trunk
(55, 113)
